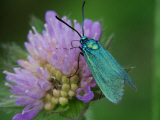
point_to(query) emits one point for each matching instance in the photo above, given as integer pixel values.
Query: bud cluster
(63, 88)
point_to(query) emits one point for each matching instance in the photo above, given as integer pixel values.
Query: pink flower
(42, 81)
(84, 94)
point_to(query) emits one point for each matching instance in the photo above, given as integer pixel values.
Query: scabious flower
(84, 94)
(42, 81)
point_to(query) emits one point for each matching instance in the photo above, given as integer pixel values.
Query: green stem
(156, 69)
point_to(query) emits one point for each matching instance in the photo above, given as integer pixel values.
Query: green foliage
(12, 52)
(7, 103)
(43, 115)
(60, 109)
(76, 109)
(37, 23)
(156, 69)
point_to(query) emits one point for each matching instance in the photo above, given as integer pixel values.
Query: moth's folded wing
(110, 82)
(116, 66)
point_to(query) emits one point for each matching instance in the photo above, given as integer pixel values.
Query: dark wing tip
(135, 88)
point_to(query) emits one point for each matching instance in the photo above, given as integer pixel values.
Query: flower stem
(156, 67)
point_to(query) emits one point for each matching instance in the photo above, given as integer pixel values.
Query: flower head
(84, 94)
(42, 81)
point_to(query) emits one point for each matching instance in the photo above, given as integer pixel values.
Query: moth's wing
(116, 66)
(110, 82)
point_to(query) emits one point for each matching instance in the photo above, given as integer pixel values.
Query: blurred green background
(132, 22)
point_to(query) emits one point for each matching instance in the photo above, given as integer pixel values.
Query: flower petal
(29, 114)
(86, 92)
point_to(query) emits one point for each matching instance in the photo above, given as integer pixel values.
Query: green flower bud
(48, 97)
(66, 87)
(53, 72)
(56, 93)
(63, 94)
(65, 80)
(48, 106)
(48, 66)
(74, 79)
(59, 75)
(71, 93)
(54, 100)
(63, 101)
(74, 87)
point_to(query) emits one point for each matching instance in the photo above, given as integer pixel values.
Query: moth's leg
(100, 95)
(71, 48)
(128, 69)
(72, 41)
(109, 41)
(78, 64)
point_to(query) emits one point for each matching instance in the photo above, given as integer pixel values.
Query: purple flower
(42, 81)
(29, 114)
(84, 94)
(89, 81)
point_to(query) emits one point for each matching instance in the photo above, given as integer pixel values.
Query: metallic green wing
(108, 73)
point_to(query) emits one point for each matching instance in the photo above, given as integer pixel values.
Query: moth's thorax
(89, 43)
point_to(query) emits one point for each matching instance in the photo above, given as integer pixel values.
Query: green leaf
(76, 109)
(44, 115)
(12, 53)
(15, 51)
(37, 23)
(7, 103)
(60, 109)
(83, 118)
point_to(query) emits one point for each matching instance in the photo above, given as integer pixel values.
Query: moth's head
(83, 39)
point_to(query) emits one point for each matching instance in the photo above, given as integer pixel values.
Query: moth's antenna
(68, 25)
(83, 17)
